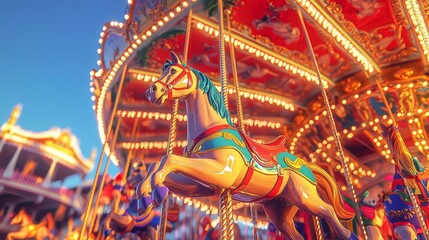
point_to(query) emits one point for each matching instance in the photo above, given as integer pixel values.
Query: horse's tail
(329, 192)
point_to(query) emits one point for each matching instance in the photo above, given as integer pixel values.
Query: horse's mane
(214, 97)
(401, 154)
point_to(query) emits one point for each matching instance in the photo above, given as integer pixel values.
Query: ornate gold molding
(372, 41)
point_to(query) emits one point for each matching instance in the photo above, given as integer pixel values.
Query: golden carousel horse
(219, 156)
(28, 229)
(410, 174)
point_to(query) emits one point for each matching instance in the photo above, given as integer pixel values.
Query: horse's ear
(174, 58)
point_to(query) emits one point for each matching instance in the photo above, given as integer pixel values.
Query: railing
(62, 191)
(33, 180)
(25, 178)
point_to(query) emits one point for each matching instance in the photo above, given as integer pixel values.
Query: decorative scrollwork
(295, 165)
(232, 137)
(375, 42)
(406, 213)
(404, 73)
(398, 12)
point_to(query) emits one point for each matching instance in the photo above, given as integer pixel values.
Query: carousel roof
(365, 50)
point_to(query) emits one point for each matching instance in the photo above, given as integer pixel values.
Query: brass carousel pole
(225, 198)
(103, 179)
(416, 205)
(333, 127)
(172, 137)
(116, 202)
(386, 103)
(129, 156)
(240, 117)
(97, 172)
(317, 228)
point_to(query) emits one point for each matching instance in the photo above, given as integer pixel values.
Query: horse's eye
(173, 71)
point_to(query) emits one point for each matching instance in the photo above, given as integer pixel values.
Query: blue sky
(48, 49)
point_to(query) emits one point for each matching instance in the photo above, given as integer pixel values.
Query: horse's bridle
(170, 86)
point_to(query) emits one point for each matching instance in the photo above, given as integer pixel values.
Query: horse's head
(176, 81)
(19, 217)
(407, 164)
(392, 136)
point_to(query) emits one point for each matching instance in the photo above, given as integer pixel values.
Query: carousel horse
(130, 222)
(220, 156)
(397, 203)
(28, 229)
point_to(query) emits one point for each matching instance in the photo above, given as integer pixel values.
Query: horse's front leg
(144, 190)
(221, 171)
(16, 235)
(10, 236)
(155, 182)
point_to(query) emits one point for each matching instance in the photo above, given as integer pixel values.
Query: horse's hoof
(159, 194)
(353, 237)
(144, 205)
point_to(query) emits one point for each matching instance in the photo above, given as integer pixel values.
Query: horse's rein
(170, 85)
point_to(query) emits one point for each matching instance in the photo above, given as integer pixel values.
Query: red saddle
(266, 152)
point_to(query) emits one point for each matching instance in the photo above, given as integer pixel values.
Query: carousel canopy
(372, 56)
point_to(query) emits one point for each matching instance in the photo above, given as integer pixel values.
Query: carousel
(285, 120)
(34, 202)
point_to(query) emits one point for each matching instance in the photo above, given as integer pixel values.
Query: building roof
(56, 143)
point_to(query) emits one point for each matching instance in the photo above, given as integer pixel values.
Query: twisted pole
(173, 127)
(225, 198)
(317, 228)
(129, 156)
(103, 179)
(240, 117)
(116, 201)
(171, 141)
(97, 171)
(333, 127)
